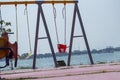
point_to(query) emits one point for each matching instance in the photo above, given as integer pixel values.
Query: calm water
(75, 60)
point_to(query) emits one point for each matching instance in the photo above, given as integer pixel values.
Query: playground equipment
(7, 50)
(61, 47)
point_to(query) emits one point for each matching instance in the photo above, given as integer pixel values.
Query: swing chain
(26, 13)
(64, 17)
(54, 14)
(16, 23)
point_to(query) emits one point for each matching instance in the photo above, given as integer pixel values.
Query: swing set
(61, 46)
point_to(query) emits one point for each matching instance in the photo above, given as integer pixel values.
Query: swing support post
(48, 35)
(71, 38)
(36, 38)
(76, 11)
(40, 10)
(84, 35)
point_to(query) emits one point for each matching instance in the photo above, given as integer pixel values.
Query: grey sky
(101, 20)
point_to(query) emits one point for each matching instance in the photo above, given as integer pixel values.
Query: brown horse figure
(7, 49)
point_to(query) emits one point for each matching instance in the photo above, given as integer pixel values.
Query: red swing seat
(62, 48)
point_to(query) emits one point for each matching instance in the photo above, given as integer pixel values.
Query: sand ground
(84, 72)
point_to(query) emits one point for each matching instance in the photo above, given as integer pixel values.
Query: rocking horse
(8, 50)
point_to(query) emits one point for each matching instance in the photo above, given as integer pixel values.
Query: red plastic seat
(62, 48)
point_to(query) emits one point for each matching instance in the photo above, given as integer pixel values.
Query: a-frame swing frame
(76, 11)
(40, 10)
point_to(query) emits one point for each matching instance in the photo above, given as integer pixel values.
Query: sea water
(82, 59)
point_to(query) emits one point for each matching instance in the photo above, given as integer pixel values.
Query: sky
(101, 19)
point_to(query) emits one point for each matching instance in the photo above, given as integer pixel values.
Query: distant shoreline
(75, 52)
